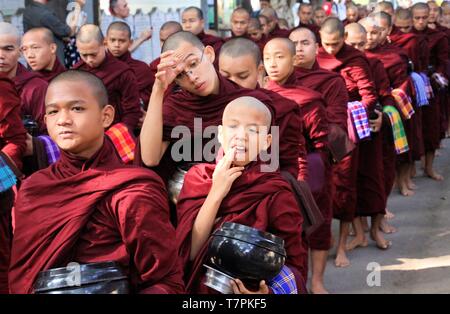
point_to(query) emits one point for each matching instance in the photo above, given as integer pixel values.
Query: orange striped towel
(123, 140)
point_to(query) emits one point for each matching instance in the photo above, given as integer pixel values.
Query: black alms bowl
(246, 253)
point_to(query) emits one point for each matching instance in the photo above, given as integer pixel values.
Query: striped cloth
(398, 132)
(7, 177)
(359, 119)
(403, 102)
(428, 87)
(284, 282)
(123, 140)
(52, 150)
(420, 89)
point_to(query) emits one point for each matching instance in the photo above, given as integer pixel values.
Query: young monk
(352, 65)
(438, 58)
(106, 211)
(12, 148)
(39, 49)
(305, 14)
(264, 21)
(273, 30)
(118, 41)
(352, 14)
(256, 34)
(240, 19)
(279, 55)
(29, 85)
(319, 16)
(119, 79)
(236, 189)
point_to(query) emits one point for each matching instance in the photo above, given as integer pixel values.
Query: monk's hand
(146, 35)
(375, 124)
(224, 175)
(168, 69)
(29, 142)
(239, 288)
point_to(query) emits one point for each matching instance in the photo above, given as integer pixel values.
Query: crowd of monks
(344, 110)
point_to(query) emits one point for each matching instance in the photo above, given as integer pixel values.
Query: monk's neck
(307, 66)
(284, 80)
(89, 152)
(51, 65)
(13, 73)
(216, 88)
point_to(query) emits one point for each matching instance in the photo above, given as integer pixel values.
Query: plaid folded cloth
(7, 177)
(359, 119)
(398, 132)
(428, 87)
(123, 140)
(52, 150)
(403, 102)
(284, 282)
(420, 89)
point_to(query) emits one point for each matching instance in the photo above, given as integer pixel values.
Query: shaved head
(403, 14)
(368, 22)
(279, 41)
(354, 28)
(119, 26)
(382, 17)
(254, 23)
(238, 47)
(420, 6)
(196, 10)
(385, 6)
(7, 29)
(270, 13)
(171, 26)
(333, 25)
(89, 33)
(242, 11)
(174, 41)
(304, 32)
(251, 103)
(44, 33)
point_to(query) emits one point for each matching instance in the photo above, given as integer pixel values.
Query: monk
(279, 55)
(118, 41)
(256, 34)
(319, 16)
(273, 30)
(352, 65)
(264, 20)
(192, 21)
(39, 49)
(236, 189)
(118, 77)
(385, 6)
(106, 211)
(12, 146)
(240, 19)
(30, 86)
(305, 14)
(438, 58)
(371, 198)
(352, 14)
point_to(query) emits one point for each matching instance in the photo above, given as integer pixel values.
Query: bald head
(270, 13)
(355, 28)
(254, 23)
(368, 22)
(356, 36)
(119, 26)
(42, 33)
(302, 32)
(239, 47)
(385, 6)
(249, 103)
(333, 25)
(382, 18)
(198, 11)
(7, 29)
(167, 29)
(240, 11)
(279, 42)
(90, 33)
(419, 6)
(175, 40)
(403, 14)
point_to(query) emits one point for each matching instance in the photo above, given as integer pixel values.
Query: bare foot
(341, 259)
(380, 241)
(434, 175)
(351, 231)
(387, 228)
(389, 215)
(356, 242)
(411, 185)
(318, 288)
(365, 224)
(405, 191)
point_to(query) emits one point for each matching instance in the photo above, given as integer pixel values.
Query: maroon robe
(144, 75)
(13, 145)
(32, 89)
(410, 43)
(262, 200)
(106, 212)
(316, 135)
(278, 32)
(58, 68)
(261, 43)
(122, 86)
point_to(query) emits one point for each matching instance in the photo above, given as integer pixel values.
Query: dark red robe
(122, 86)
(32, 89)
(144, 75)
(13, 145)
(261, 43)
(106, 212)
(58, 68)
(262, 200)
(278, 32)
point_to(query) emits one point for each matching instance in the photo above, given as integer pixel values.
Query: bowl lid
(253, 236)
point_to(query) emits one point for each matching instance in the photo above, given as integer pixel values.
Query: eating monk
(238, 189)
(371, 197)
(39, 49)
(240, 19)
(12, 148)
(106, 211)
(118, 77)
(118, 41)
(30, 86)
(273, 29)
(437, 65)
(279, 55)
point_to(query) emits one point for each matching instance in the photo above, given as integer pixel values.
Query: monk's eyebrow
(69, 103)
(191, 54)
(7, 47)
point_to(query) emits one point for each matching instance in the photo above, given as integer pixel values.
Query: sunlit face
(244, 129)
(434, 12)
(305, 49)
(352, 15)
(242, 70)
(357, 40)
(331, 43)
(74, 118)
(255, 34)
(405, 26)
(385, 30)
(264, 25)
(39, 53)
(319, 17)
(305, 14)
(239, 23)
(373, 36)
(92, 53)
(278, 61)
(9, 55)
(420, 18)
(191, 22)
(118, 42)
(121, 9)
(199, 76)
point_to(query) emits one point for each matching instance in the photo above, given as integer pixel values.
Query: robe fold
(262, 200)
(106, 212)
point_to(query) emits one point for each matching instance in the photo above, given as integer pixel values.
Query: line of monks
(347, 108)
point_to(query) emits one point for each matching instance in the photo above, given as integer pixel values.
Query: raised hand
(168, 69)
(224, 175)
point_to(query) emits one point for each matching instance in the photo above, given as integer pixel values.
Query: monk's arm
(316, 124)
(337, 104)
(130, 100)
(152, 145)
(146, 35)
(361, 75)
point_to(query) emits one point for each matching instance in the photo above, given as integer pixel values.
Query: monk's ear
(261, 74)
(108, 113)
(317, 48)
(268, 142)
(210, 54)
(53, 48)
